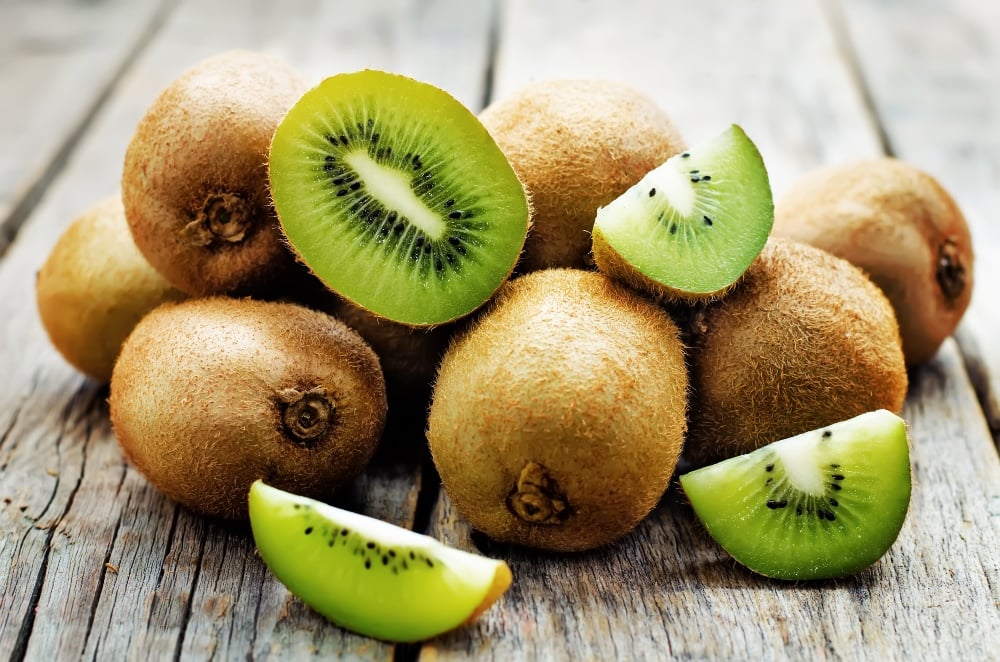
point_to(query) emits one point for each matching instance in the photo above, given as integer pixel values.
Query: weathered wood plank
(177, 584)
(772, 67)
(668, 590)
(58, 61)
(934, 74)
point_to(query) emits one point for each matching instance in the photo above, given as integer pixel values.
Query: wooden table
(94, 563)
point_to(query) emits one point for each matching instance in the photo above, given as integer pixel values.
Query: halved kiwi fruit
(825, 503)
(396, 197)
(367, 575)
(692, 226)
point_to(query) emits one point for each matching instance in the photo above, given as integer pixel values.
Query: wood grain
(668, 590)
(933, 71)
(94, 562)
(60, 61)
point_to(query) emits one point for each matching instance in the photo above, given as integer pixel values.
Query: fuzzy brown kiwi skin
(94, 287)
(804, 341)
(558, 416)
(211, 394)
(194, 182)
(576, 145)
(902, 228)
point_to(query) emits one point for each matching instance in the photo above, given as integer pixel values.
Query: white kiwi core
(798, 456)
(392, 188)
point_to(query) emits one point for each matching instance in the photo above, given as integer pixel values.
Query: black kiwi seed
(370, 545)
(773, 505)
(652, 192)
(707, 220)
(368, 564)
(309, 530)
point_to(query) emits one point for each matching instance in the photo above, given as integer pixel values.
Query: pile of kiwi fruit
(575, 300)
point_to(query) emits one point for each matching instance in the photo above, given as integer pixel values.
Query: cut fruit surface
(367, 575)
(826, 503)
(396, 197)
(691, 227)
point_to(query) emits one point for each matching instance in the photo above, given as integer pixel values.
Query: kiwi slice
(396, 197)
(367, 575)
(825, 503)
(691, 227)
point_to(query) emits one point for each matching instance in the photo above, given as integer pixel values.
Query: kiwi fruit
(558, 417)
(826, 503)
(900, 226)
(690, 228)
(396, 197)
(367, 575)
(577, 144)
(211, 394)
(94, 287)
(195, 184)
(804, 341)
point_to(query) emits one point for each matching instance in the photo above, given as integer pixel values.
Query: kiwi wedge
(393, 193)
(367, 575)
(825, 503)
(690, 228)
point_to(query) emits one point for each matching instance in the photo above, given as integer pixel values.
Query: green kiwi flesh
(369, 576)
(822, 504)
(396, 197)
(692, 226)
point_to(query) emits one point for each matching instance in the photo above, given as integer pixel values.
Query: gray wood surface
(95, 563)
(60, 59)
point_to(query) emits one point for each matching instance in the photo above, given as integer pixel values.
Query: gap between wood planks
(22, 207)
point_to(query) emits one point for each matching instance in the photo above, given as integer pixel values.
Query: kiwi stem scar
(393, 190)
(223, 217)
(306, 416)
(536, 498)
(950, 272)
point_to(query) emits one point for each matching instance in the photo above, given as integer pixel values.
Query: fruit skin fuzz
(902, 228)
(577, 144)
(557, 419)
(212, 393)
(805, 340)
(194, 182)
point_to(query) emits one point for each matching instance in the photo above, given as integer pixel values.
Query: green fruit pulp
(396, 197)
(695, 223)
(366, 575)
(826, 503)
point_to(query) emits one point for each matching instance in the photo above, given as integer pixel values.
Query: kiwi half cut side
(691, 227)
(369, 576)
(822, 504)
(396, 197)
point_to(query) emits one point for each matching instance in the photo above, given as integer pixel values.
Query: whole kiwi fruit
(558, 417)
(195, 182)
(902, 228)
(576, 145)
(94, 287)
(803, 341)
(211, 394)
